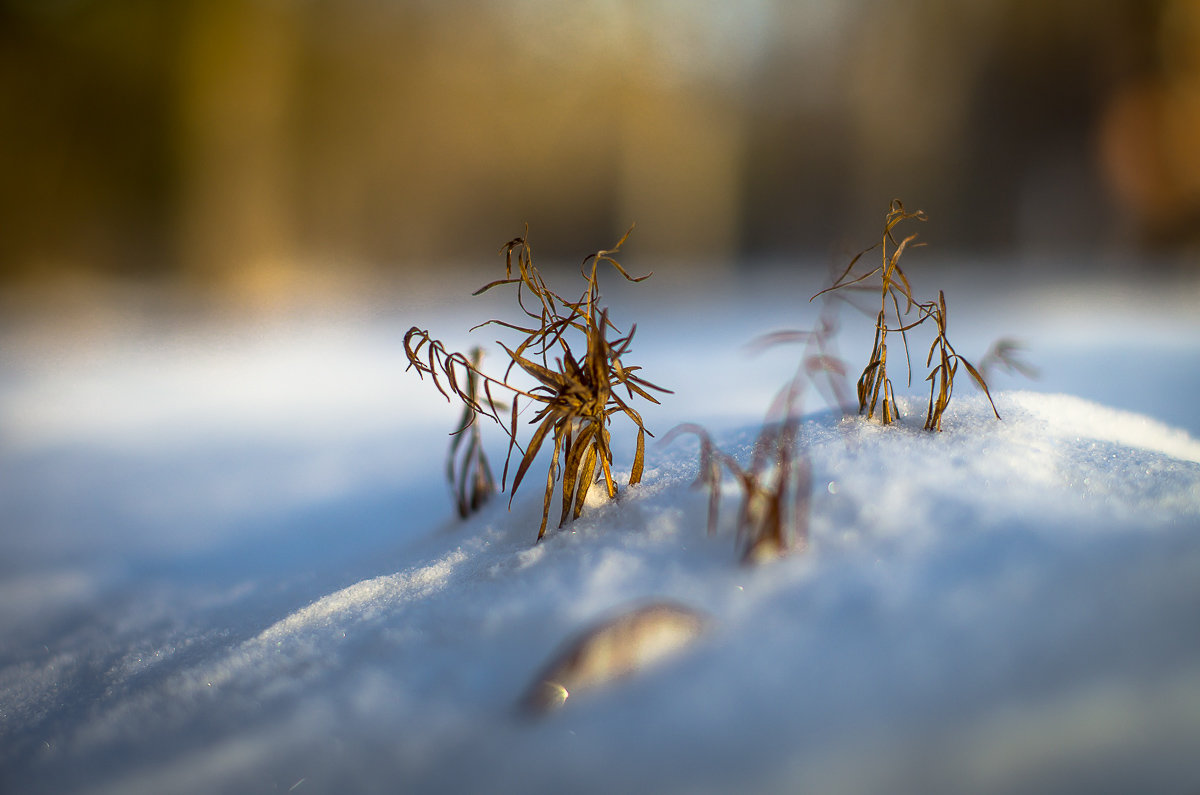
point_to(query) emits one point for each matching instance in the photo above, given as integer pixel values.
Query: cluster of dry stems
(576, 395)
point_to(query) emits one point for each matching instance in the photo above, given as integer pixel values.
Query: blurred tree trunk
(681, 172)
(237, 74)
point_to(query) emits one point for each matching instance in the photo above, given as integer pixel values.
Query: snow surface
(229, 564)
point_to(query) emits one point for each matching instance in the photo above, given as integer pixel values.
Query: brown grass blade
(535, 444)
(978, 378)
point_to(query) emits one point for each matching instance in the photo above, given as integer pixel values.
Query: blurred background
(254, 146)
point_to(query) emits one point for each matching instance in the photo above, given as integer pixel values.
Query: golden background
(250, 145)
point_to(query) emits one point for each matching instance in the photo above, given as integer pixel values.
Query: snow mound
(1071, 416)
(1004, 606)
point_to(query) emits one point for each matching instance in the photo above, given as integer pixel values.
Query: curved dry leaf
(611, 649)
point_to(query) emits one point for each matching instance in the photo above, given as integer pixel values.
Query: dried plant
(469, 475)
(576, 395)
(820, 363)
(776, 487)
(874, 385)
(941, 377)
(711, 460)
(616, 647)
(1005, 355)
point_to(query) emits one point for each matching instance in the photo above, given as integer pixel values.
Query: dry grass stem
(820, 363)
(467, 468)
(776, 486)
(1005, 354)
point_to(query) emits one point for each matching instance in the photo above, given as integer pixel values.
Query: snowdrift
(1005, 606)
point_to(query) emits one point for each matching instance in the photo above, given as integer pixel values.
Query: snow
(230, 564)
